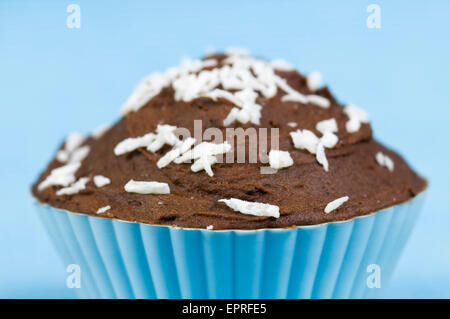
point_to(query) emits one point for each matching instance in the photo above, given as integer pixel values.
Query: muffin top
(229, 142)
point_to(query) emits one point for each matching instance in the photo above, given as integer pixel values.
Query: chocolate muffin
(230, 177)
(330, 148)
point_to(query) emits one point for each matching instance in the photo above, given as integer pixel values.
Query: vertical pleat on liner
(120, 259)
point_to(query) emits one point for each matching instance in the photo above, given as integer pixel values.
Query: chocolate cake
(320, 163)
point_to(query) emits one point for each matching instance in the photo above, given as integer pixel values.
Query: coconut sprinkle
(140, 187)
(133, 143)
(329, 140)
(327, 126)
(321, 156)
(75, 188)
(281, 64)
(319, 101)
(164, 135)
(145, 91)
(294, 97)
(242, 78)
(61, 176)
(79, 154)
(384, 160)
(280, 159)
(314, 80)
(307, 140)
(252, 208)
(62, 156)
(210, 227)
(147, 187)
(204, 162)
(74, 140)
(151, 141)
(356, 116)
(100, 131)
(100, 181)
(203, 155)
(180, 148)
(72, 152)
(335, 204)
(292, 124)
(103, 210)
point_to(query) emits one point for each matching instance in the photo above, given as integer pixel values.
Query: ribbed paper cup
(120, 259)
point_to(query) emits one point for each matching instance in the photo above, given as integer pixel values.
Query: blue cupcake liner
(120, 259)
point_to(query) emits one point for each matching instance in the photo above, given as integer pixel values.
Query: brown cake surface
(300, 191)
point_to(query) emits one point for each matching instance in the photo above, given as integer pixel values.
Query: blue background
(54, 80)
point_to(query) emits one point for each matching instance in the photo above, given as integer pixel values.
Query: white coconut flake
(203, 155)
(252, 208)
(356, 116)
(180, 148)
(329, 125)
(145, 91)
(72, 152)
(280, 159)
(62, 156)
(292, 124)
(321, 157)
(204, 162)
(314, 81)
(329, 140)
(100, 131)
(75, 188)
(248, 111)
(305, 139)
(164, 135)
(79, 154)
(61, 176)
(385, 161)
(281, 64)
(241, 78)
(389, 163)
(318, 100)
(352, 125)
(152, 141)
(294, 97)
(221, 94)
(133, 143)
(210, 227)
(103, 210)
(101, 181)
(73, 141)
(141, 187)
(335, 204)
